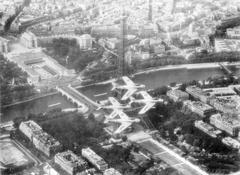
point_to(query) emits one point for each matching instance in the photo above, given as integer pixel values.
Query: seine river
(99, 92)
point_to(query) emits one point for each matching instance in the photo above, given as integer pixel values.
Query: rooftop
(32, 125)
(92, 154)
(47, 139)
(227, 45)
(231, 142)
(111, 171)
(200, 105)
(178, 92)
(71, 158)
(197, 91)
(229, 101)
(228, 119)
(220, 91)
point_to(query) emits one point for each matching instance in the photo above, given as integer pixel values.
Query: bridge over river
(84, 103)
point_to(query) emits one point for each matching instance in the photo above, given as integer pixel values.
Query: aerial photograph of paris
(120, 87)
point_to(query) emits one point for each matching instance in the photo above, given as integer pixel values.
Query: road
(166, 154)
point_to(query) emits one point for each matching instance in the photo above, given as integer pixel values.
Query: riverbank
(169, 67)
(187, 66)
(29, 100)
(151, 80)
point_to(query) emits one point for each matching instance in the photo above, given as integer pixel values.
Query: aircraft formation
(117, 115)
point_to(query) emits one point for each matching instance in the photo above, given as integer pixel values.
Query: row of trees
(13, 84)
(158, 61)
(215, 57)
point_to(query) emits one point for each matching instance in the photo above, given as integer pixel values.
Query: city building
(208, 129)
(95, 159)
(233, 143)
(46, 143)
(198, 93)
(103, 30)
(111, 171)
(29, 40)
(227, 104)
(39, 66)
(199, 108)
(226, 122)
(233, 33)
(90, 171)
(223, 91)
(48, 169)
(4, 46)
(29, 128)
(227, 45)
(70, 162)
(85, 41)
(40, 139)
(177, 95)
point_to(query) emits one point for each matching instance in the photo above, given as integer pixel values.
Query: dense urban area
(111, 87)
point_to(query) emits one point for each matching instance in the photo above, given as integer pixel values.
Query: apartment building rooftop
(227, 45)
(47, 139)
(227, 119)
(223, 91)
(231, 142)
(70, 158)
(200, 105)
(207, 128)
(232, 102)
(32, 125)
(92, 154)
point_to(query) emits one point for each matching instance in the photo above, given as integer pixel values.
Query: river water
(100, 92)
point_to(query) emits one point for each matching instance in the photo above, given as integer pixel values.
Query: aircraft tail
(132, 100)
(106, 119)
(114, 86)
(99, 107)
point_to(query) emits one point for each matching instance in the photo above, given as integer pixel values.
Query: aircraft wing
(127, 81)
(113, 114)
(145, 95)
(122, 115)
(122, 127)
(114, 101)
(128, 94)
(146, 108)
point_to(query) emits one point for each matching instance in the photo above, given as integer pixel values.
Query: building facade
(199, 108)
(29, 128)
(95, 159)
(70, 162)
(46, 143)
(40, 139)
(85, 41)
(231, 142)
(198, 93)
(29, 40)
(177, 95)
(226, 122)
(208, 129)
(227, 104)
